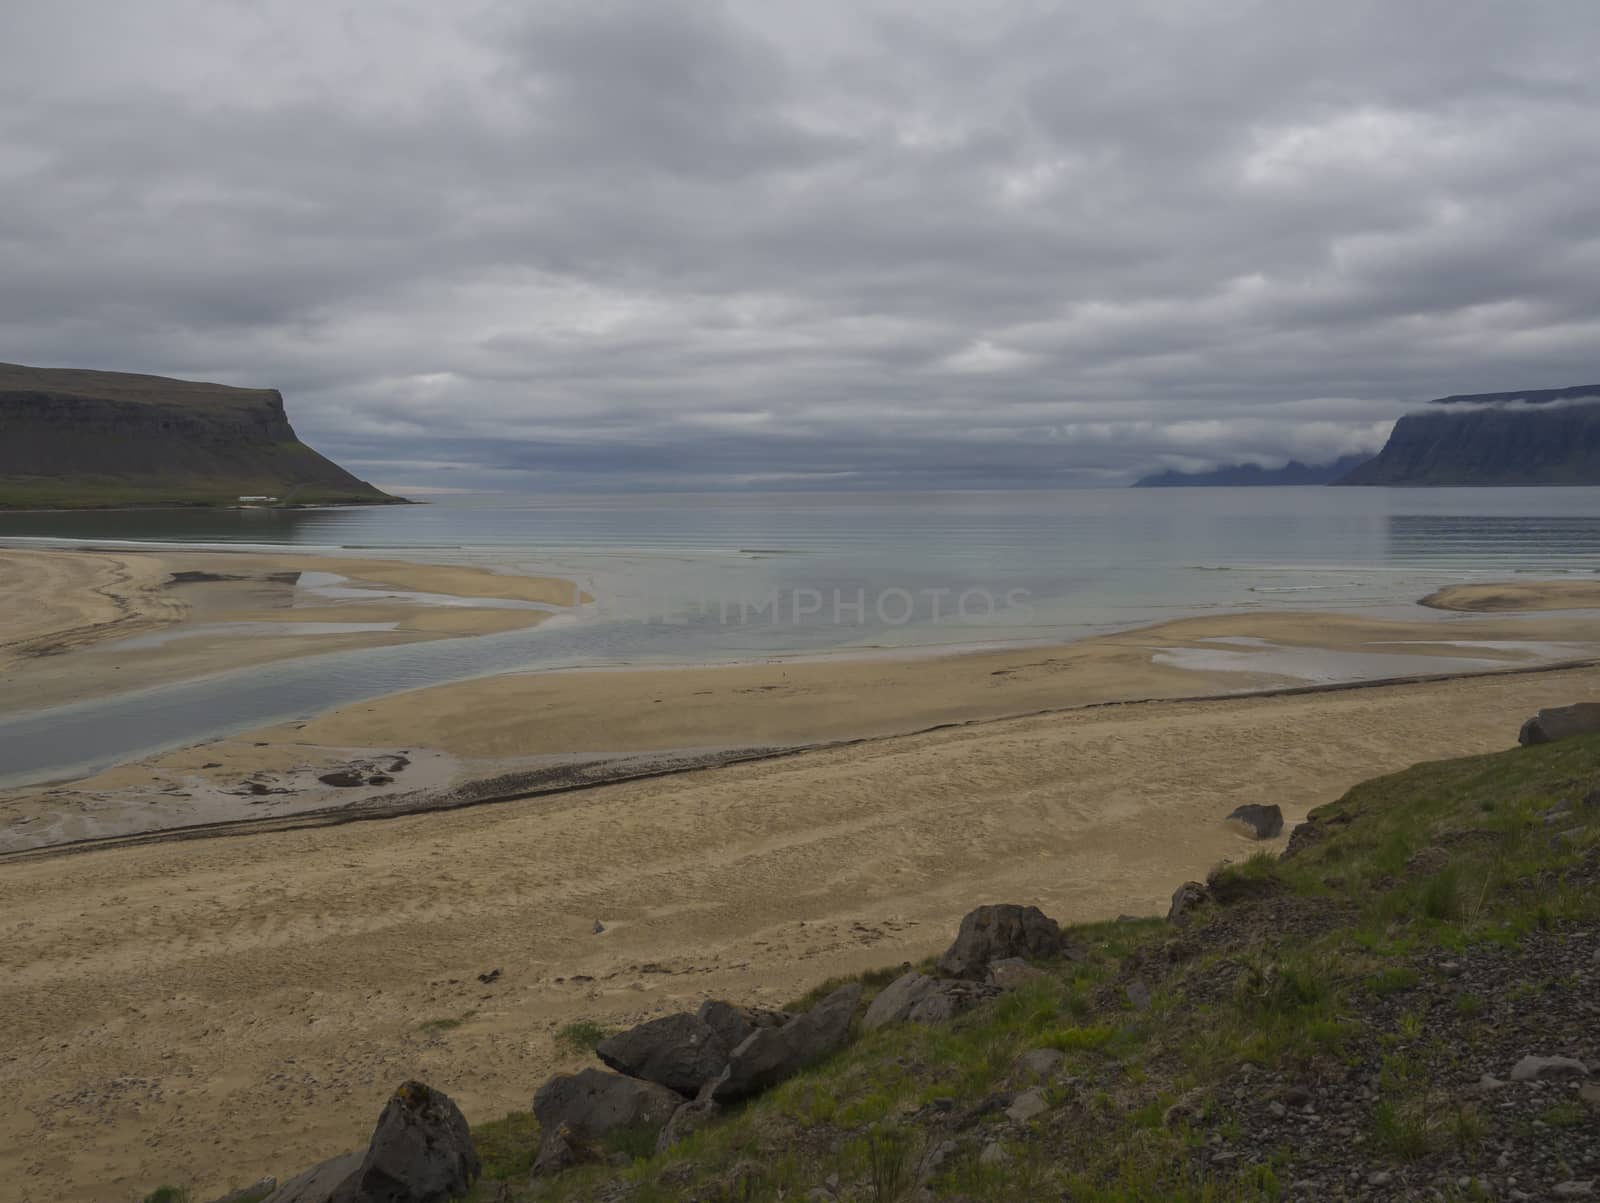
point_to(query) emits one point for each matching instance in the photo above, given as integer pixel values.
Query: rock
(1560, 722)
(915, 998)
(1039, 1063)
(1258, 822)
(1489, 1083)
(342, 778)
(1185, 899)
(1278, 1109)
(686, 1121)
(255, 1191)
(1379, 1178)
(561, 1150)
(1302, 836)
(994, 933)
(940, 1158)
(894, 1002)
(320, 1183)
(769, 1055)
(490, 978)
(599, 928)
(733, 1024)
(1532, 1068)
(1030, 1104)
(1589, 1092)
(681, 1052)
(576, 1109)
(1574, 1190)
(421, 1152)
(1138, 995)
(951, 999)
(994, 1154)
(1013, 972)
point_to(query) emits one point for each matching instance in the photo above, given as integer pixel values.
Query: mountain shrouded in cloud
(681, 244)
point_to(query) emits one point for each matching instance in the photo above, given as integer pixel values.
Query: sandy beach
(149, 618)
(211, 1010)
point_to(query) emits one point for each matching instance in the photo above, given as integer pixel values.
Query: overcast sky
(864, 243)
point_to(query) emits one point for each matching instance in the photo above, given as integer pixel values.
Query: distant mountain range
(1234, 475)
(72, 439)
(1542, 437)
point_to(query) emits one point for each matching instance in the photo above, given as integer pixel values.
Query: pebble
(1379, 1178)
(1574, 1190)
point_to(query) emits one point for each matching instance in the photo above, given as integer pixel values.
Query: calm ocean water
(707, 578)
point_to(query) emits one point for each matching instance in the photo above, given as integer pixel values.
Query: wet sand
(80, 624)
(1540, 595)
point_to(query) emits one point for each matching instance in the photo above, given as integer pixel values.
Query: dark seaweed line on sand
(523, 787)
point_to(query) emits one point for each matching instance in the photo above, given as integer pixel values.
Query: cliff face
(76, 438)
(1546, 437)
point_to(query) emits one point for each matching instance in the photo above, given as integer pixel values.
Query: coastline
(332, 962)
(739, 831)
(525, 733)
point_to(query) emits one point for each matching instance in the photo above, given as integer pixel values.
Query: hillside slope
(78, 439)
(1544, 437)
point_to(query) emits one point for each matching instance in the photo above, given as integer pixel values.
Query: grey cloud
(664, 243)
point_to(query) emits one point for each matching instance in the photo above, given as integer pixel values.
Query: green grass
(446, 1025)
(1450, 855)
(581, 1036)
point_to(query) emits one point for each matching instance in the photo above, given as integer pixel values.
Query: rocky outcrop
(1258, 822)
(915, 998)
(1186, 899)
(1560, 722)
(420, 1152)
(770, 1055)
(575, 1110)
(321, 1183)
(681, 1052)
(994, 933)
(1541, 437)
(72, 438)
(734, 1024)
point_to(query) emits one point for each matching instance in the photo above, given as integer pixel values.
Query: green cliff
(79, 439)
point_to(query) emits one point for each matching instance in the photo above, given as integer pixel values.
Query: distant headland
(1537, 437)
(1233, 475)
(74, 439)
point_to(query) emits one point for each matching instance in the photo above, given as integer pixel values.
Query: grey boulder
(1013, 973)
(734, 1024)
(681, 1052)
(687, 1120)
(769, 1055)
(320, 1183)
(1186, 899)
(915, 998)
(593, 1102)
(1531, 1069)
(255, 1191)
(1258, 822)
(995, 933)
(1560, 722)
(421, 1152)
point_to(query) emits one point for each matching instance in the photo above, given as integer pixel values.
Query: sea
(741, 577)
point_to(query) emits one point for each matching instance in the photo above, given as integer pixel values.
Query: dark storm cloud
(678, 243)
